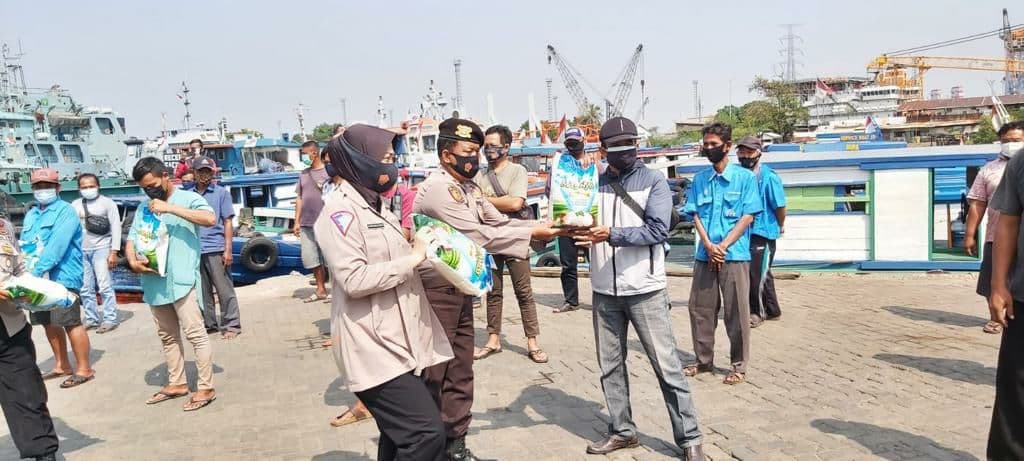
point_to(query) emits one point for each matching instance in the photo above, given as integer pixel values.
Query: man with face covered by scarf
(451, 196)
(385, 334)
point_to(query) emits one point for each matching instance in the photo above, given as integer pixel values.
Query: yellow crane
(892, 70)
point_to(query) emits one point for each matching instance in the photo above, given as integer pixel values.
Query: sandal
(194, 404)
(484, 352)
(735, 378)
(992, 328)
(75, 380)
(694, 370)
(162, 396)
(538, 356)
(314, 298)
(53, 374)
(350, 416)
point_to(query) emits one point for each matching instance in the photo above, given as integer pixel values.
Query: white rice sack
(38, 294)
(151, 239)
(31, 250)
(573, 193)
(458, 259)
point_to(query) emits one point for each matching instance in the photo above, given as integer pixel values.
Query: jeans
(649, 315)
(97, 272)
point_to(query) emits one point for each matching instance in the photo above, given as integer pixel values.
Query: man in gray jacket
(22, 393)
(627, 273)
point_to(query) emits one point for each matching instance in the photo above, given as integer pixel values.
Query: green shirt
(512, 177)
(182, 276)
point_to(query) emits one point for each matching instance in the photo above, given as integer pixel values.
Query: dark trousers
(23, 395)
(568, 255)
(519, 269)
(217, 277)
(1006, 435)
(408, 419)
(725, 289)
(451, 383)
(763, 301)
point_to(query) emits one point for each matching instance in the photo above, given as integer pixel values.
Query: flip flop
(485, 352)
(54, 375)
(350, 416)
(314, 298)
(992, 328)
(735, 378)
(328, 299)
(194, 404)
(75, 380)
(538, 356)
(162, 396)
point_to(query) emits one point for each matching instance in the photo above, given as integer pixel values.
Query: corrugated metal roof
(933, 104)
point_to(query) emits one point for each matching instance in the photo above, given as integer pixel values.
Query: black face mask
(467, 167)
(714, 154)
(377, 176)
(331, 171)
(494, 153)
(749, 162)
(622, 160)
(156, 192)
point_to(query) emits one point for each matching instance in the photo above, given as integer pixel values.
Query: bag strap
(493, 178)
(627, 199)
(85, 207)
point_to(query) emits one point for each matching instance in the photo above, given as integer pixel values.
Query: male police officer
(451, 196)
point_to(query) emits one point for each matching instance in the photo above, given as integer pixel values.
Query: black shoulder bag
(524, 213)
(95, 224)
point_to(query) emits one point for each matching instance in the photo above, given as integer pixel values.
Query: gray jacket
(632, 261)
(10, 265)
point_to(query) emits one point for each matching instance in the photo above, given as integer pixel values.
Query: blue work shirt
(59, 230)
(720, 200)
(211, 239)
(182, 249)
(773, 196)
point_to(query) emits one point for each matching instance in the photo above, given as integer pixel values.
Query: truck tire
(259, 255)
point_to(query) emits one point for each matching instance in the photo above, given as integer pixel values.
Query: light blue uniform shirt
(773, 196)
(182, 276)
(720, 200)
(59, 230)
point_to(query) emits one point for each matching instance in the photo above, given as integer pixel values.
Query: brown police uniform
(462, 206)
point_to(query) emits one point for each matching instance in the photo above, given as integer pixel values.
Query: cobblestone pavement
(860, 367)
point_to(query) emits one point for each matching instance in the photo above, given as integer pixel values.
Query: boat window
(429, 143)
(818, 199)
(120, 122)
(949, 212)
(72, 153)
(218, 155)
(48, 152)
(249, 158)
(105, 125)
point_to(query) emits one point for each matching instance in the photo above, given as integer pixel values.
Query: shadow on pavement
(46, 365)
(323, 326)
(69, 439)
(337, 394)
(961, 370)
(124, 316)
(891, 444)
(937, 316)
(157, 376)
(338, 455)
(582, 418)
(550, 301)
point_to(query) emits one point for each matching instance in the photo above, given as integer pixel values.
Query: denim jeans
(649, 315)
(97, 272)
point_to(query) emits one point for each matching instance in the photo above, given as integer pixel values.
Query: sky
(254, 62)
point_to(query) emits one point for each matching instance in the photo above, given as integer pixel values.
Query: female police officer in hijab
(385, 334)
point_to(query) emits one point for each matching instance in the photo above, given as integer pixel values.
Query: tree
(985, 134)
(323, 132)
(590, 116)
(782, 111)
(298, 138)
(245, 132)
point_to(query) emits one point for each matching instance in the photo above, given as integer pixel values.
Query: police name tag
(376, 225)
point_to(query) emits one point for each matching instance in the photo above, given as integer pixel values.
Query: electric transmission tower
(789, 51)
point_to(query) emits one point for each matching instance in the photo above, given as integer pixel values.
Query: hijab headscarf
(357, 155)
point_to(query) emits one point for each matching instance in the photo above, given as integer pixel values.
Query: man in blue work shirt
(723, 200)
(767, 228)
(51, 239)
(215, 244)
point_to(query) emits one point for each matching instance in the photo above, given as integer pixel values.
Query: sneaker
(566, 308)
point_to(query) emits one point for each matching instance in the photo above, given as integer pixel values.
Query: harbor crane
(622, 86)
(891, 70)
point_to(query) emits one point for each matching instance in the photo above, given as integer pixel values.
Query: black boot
(457, 451)
(49, 457)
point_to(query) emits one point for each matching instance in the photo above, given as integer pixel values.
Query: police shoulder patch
(343, 220)
(456, 193)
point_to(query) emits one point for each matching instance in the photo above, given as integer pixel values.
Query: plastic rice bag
(573, 193)
(31, 250)
(457, 258)
(39, 294)
(151, 239)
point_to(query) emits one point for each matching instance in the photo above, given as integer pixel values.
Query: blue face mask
(188, 185)
(45, 196)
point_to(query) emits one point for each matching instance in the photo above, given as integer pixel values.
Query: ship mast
(12, 80)
(188, 115)
(302, 128)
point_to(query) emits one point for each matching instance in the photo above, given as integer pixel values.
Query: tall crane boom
(890, 70)
(624, 82)
(571, 84)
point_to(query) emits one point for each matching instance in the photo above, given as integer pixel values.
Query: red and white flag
(821, 89)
